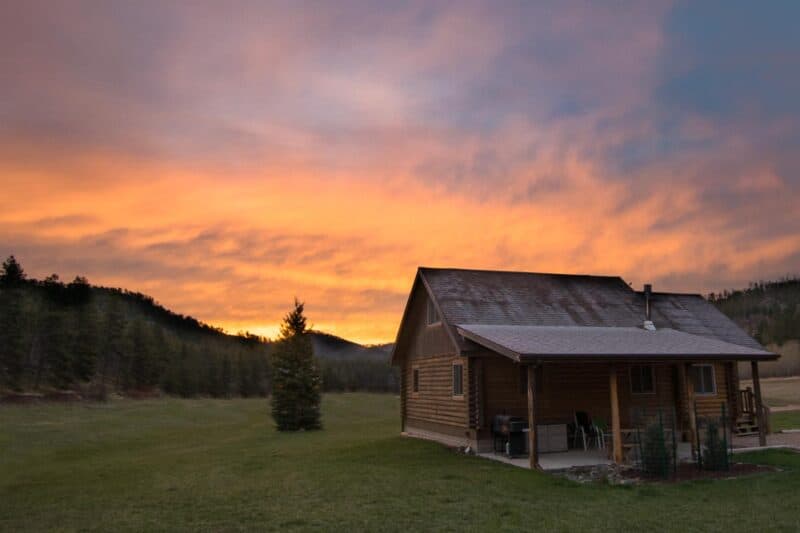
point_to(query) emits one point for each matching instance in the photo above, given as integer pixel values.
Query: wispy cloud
(228, 158)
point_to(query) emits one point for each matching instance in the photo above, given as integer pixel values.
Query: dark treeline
(75, 336)
(359, 374)
(768, 310)
(57, 335)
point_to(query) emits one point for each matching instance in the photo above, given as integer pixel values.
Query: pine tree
(85, 347)
(162, 350)
(113, 356)
(187, 381)
(56, 358)
(12, 274)
(143, 372)
(225, 377)
(296, 380)
(12, 338)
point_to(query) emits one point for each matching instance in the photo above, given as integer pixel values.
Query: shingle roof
(694, 314)
(486, 297)
(526, 342)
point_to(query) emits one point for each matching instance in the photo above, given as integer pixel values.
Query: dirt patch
(21, 398)
(628, 475)
(690, 472)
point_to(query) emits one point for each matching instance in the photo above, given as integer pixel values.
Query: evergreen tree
(187, 380)
(296, 380)
(12, 274)
(143, 370)
(56, 358)
(85, 348)
(162, 349)
(225, 377)
(12, 339)
(114, 354)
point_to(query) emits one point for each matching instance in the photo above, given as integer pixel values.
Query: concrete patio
(552, 462)
(557, 460)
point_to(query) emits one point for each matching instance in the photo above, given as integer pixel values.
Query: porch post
(762, 424)
(532, 445)
(690, 405)
(616, 427)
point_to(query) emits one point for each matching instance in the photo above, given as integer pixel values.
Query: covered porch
(617, 394)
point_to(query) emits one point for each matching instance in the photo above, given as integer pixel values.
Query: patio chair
(602, 428)
(587, 431)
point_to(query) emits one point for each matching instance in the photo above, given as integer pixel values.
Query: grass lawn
(217, 465)
(785, 420)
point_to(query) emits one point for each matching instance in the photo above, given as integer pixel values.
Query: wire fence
(655, 441)
(657, 436)
(714, 441)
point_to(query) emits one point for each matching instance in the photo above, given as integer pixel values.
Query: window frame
(415, 380)
(652, 379)
(453, 379)
(713, 379)
(432, 316)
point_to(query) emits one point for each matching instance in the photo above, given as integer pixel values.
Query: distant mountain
(74, 335)
(329, 346)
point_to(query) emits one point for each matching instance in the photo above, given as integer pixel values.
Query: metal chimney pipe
(648, 291)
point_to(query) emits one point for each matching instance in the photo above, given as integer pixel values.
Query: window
(458, 379)
(433, 315)
(643, 379)
(703, 379)
(415, 380)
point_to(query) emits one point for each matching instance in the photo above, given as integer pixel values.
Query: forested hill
(768, 310)
(96, 340)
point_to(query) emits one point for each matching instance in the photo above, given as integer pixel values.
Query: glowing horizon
(226, 160)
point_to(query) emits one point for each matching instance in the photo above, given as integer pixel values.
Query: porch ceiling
(523, 343)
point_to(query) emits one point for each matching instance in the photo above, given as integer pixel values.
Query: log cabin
(474, 344)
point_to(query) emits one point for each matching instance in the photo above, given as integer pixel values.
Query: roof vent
(648, 323)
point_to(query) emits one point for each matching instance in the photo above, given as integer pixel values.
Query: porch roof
(527, 343)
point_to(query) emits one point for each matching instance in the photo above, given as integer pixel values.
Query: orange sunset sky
(225, 158)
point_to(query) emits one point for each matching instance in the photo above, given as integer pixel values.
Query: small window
(643, 379)
(415, 380)
(458, 379)
(703, 379)
(433, 315)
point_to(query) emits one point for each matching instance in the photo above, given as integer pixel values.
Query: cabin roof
(586, 342)
(501, 298)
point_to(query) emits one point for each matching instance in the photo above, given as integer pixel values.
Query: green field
(217, 465)
(785, 420)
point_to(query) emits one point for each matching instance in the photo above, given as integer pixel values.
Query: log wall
(429, 349)
(569, 387)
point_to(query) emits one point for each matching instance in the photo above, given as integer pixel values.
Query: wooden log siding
(710, 405)
(570, 387)
(424, 340)
(475, 393)
(643, 409)
(435, 401)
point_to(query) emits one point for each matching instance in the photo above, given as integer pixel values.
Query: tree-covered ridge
(56, 335)
(73, 335)
(768, 310)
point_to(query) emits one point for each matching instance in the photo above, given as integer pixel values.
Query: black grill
(509, 437)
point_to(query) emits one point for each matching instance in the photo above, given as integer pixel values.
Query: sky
(227, 157)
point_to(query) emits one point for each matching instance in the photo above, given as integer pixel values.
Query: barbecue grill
(508, 434)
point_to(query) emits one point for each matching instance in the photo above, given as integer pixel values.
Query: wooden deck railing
(747, 402)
